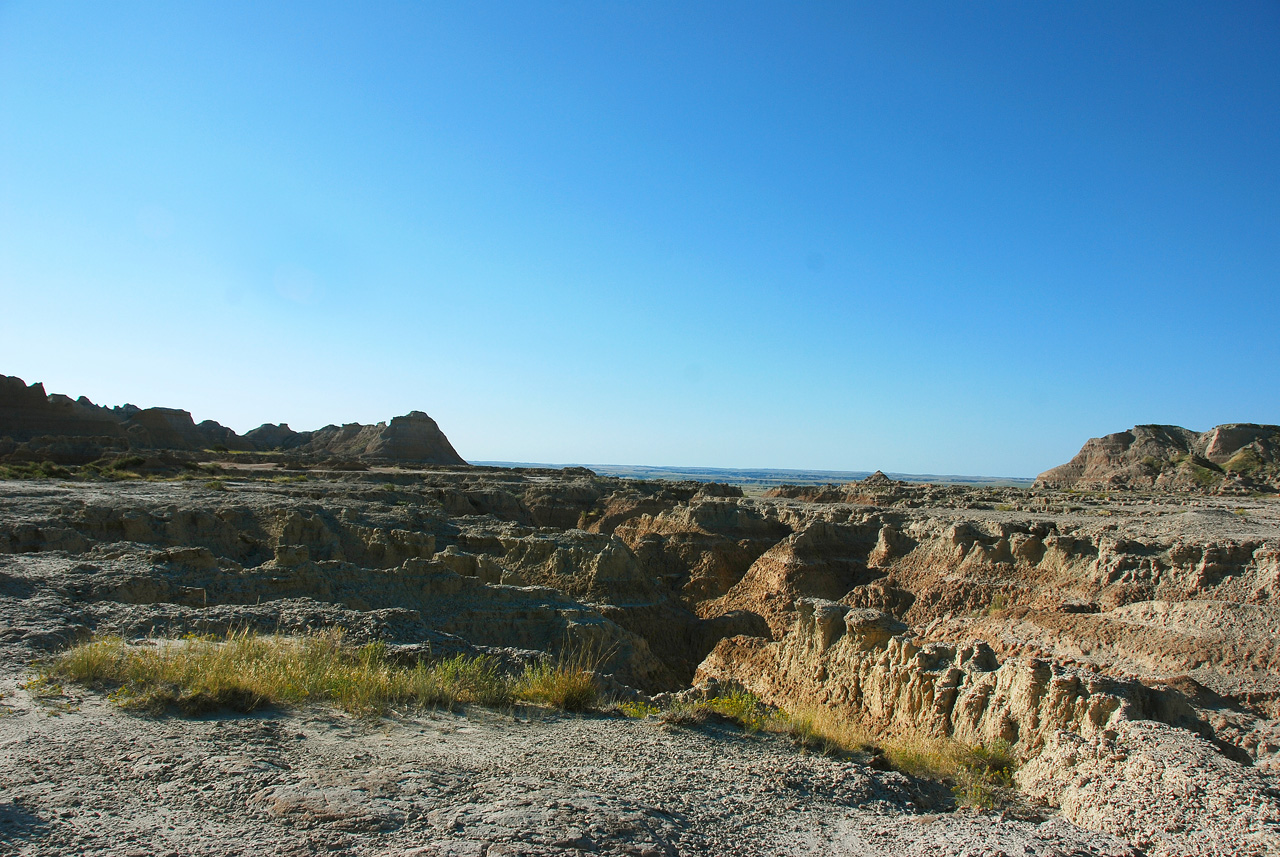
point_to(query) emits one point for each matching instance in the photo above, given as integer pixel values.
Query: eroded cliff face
(864, 662)
(1100, 749)
(1051, 620)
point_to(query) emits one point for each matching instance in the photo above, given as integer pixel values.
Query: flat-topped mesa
(35, 426)
(1236, 456)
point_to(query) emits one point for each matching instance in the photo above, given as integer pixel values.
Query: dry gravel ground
(77, 775)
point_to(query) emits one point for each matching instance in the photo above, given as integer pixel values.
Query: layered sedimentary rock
(1100, 634)
(1238, 455)
(1104, 751)
(35, 426)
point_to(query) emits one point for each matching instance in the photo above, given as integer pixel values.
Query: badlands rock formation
(1123, 644)
(35, 427)
(1239, 456)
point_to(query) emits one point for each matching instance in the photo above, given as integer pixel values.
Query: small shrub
(216, 485)
(739, 706)
(639, 709)
(685, 714)
(984, 776)
(742, 707)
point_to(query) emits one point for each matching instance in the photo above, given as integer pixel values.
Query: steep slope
(1237, 456)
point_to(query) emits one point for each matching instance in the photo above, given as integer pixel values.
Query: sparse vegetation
(244, 671)
(980, 776)
(1203, 476)
(569, 686)
(1152, 464)
(216, 485)
(638, 709)
(34, 470)
(821, 730)
(1246, 462)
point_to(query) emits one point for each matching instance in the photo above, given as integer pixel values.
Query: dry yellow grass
(566, 686)
(244, 671)
(979, 775)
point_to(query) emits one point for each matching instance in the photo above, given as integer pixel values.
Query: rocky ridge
(35, 426)
(1123, 643)
(1227, 458)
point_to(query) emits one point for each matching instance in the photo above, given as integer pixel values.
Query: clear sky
(923, 237)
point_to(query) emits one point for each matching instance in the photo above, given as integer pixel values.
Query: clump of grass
(567, 685)
(980, 775)
(999, 602)
(821, 730)
(244, 671)
(114, 469)
(216, 485)
(737, 706)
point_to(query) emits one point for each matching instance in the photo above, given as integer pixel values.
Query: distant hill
(1233, 457)
(38, 426)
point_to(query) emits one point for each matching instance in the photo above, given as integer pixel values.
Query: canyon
(1115, 626)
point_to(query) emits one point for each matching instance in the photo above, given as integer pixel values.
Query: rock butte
(1117, 625)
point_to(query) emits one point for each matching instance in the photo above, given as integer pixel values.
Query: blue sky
(922, 237)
